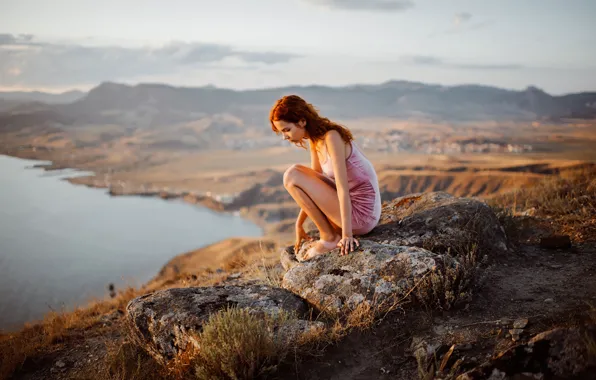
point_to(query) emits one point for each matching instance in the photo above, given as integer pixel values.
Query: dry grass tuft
(55, 328)
(265, 267)
(127, 361)
(447, 287)
(567, 201)
(269, 272)
(508, 220)
(237, 344)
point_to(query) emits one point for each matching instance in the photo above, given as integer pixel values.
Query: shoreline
(46, 165)
(208, 201)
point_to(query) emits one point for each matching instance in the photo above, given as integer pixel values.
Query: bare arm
(337, 153)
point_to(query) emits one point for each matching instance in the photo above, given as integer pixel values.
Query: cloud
(427, 60)
(365, 5)
(461, 18)
(462, 22)
(11, 39)
(25, 61)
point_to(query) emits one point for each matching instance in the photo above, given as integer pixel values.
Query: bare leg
(317, 196)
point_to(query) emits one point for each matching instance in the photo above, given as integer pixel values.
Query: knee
(291, 175)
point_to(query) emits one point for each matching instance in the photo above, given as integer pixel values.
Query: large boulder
(440, 223)
(563, 353)
(373, 273)
(166, 321)
(417, 234)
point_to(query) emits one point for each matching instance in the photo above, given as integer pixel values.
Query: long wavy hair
(292, 109)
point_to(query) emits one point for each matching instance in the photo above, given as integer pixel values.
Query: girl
(340, 190)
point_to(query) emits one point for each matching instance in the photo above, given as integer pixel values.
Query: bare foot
(321, 247)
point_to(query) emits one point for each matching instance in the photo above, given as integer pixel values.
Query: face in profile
(291, 131)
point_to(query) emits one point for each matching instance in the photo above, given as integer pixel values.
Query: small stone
(60, 364)
(520, 323)
(515, 334)
(463, 347)
(549, 300)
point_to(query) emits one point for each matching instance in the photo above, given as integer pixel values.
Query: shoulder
(333, 137)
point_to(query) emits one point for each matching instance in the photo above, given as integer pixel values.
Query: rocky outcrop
(417, 234)
(373, 273)
(440, 223)
(165, 322)
(563, 353)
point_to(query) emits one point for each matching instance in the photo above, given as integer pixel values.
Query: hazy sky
(62, 44)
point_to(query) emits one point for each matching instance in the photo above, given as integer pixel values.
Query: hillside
(157, 105)
(480, 319)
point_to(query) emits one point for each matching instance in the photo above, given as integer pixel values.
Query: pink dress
(363, 188)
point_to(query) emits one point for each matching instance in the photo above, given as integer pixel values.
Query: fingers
(297, 245)
(347, 245)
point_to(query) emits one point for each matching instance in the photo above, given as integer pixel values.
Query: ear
(302, 123)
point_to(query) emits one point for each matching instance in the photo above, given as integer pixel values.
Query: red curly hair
(292, 109)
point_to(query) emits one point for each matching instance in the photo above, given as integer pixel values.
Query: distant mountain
(44, 97)
(158, 105)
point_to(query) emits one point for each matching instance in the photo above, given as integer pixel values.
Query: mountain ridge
(158, 104)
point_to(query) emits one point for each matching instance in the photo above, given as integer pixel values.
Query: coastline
(207, 200)
(72, 174)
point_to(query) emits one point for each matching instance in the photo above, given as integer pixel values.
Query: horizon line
(45, 90)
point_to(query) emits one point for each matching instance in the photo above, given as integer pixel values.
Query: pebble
(549, 300)
(515, 334)
(520, 323)
(60, 364)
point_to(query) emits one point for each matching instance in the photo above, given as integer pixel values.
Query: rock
(520, 323)
(564, 353)
(287, 258)
(440, 222)
(549, 300)
(165, 321)
(372, 273)
(516, 334)
(555, 242)
(60, 364)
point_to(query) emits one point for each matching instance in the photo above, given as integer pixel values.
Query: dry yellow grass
(566, 203)
(229, 254)
(238, 344)
(126, 361)
(56, 328)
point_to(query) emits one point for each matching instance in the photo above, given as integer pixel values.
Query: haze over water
(62, 244)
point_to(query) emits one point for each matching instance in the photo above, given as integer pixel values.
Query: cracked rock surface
(165, 321)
